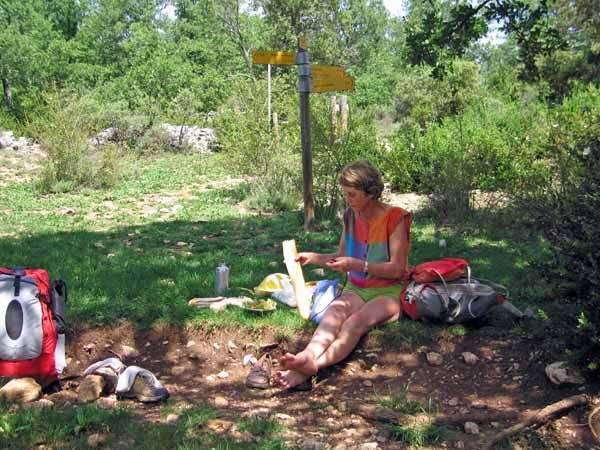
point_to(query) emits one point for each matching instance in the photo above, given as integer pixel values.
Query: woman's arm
(322, 259)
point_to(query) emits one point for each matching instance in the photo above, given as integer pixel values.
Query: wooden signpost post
(313, 79)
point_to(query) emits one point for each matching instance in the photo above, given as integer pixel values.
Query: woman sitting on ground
(373, 250)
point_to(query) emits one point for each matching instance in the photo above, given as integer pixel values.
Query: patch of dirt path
(506, 381)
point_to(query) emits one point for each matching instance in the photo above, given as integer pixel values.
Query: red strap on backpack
(408, 308)
(447, 268)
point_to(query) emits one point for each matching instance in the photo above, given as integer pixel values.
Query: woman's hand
(305, 258)
(345, 264)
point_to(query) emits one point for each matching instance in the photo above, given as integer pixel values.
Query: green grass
(416, 435)
(399, 402)
(132, 254)
(71, 428)
(259, 426)
(415, 431)
(141, 250)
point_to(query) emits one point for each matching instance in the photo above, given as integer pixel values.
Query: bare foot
(290, 378)
(303, 362)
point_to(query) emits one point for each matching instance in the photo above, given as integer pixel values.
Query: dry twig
(538, 418)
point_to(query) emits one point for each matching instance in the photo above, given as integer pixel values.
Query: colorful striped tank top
(370, 241)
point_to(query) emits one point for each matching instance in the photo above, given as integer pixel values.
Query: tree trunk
(8, 101)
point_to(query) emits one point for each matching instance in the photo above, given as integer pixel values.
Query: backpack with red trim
(31, 324)
(447, 269)
(444, 291)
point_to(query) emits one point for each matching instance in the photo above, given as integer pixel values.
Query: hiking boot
(140, 384)
(260, 375)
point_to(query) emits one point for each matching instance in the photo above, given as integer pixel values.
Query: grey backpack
(452, 302)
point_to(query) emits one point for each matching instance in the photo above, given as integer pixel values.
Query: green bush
(274, 160)
(64, 130)
(423, 100)
(492, 146)
(334, 148)
(566, 210)
(270, 157)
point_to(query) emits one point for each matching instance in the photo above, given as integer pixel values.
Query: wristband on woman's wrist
(365, 268)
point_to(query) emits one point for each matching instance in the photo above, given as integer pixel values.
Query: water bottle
(222, 278)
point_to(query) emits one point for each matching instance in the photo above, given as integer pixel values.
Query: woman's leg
(378, 311)
(337, 313)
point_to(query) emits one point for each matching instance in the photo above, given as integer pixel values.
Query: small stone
(220, 402)
(172, 418)
(283, 417)
(495, 424)
(309, 444)
(219, 425)
(223, 374)
(261, 413)
(42, 403)
(21, 390)
(369, 446)
(470, 358)
(194, 351)
(109, 402)
(127, 352)
(94, 440)
(90, 388)
(249, 360)
(368, 383)
(560, 373)
(381, 438)
(471, 428)
(89, 347)
(459, 445)
(453, 401)
(435, 359)
(63, 398)
(190, 344)
(177, 371)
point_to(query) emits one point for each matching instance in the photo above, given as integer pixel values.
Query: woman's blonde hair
(364, 176)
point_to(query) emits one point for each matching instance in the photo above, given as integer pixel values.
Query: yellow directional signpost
(330, 78)
(285, 58)
(326, 71)
(344, 83)
(313, 79)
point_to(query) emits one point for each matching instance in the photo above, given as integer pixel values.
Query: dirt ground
(507, 381)
(198, 368)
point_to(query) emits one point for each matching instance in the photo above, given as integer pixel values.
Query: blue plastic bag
(325, 293)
